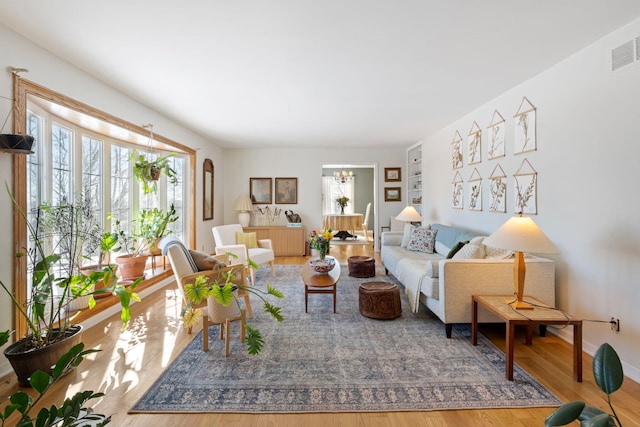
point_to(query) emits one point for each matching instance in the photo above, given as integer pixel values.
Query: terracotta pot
(131, 267)
(100, 285)
(26, 362)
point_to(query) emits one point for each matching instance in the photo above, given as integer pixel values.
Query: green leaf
(273, 311)
(273, 291)
(223, 294)
(565, 414)
(40, 381)
(254, 340)
(601, 420)
(4, 337)
(607, 369)
(22, 401)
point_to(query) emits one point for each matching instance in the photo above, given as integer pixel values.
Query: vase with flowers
(342, 202)
(320, 240)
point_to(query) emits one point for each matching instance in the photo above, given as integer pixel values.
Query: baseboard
(630, 371)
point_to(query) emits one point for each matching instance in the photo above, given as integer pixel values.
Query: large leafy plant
(222, 290)
(53, 261)
(608, 374)
(153, 223)
(72, 412)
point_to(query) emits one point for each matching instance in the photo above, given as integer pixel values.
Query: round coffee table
(316, 283)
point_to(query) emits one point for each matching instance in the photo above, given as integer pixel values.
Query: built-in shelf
(414, 177)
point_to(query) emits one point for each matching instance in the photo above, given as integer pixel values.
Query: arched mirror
(207, 188)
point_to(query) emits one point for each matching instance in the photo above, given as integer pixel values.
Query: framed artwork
(498, 190)
(260, 190)
(456, 151)
(457, 192)
(525, 128)
(207, 192)
(526, 185)
(286, 191)
(392, 194)
(474, 144)
(392, 174)
(475, 191)
(496, 136)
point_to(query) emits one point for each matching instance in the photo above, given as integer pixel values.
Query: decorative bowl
(322, 266)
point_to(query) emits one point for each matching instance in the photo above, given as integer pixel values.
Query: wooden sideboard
(287, 241)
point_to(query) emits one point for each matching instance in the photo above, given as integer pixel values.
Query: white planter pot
(219, 313)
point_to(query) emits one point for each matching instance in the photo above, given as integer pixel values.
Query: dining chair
(365, 222)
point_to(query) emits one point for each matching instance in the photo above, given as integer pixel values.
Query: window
(331, 190)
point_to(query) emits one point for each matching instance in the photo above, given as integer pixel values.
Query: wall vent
(623, 55)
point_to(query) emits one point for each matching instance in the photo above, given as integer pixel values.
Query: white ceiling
(358, 73)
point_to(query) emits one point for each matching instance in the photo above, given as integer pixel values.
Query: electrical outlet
(615, 324)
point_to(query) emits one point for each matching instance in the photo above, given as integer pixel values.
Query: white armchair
(225, 239)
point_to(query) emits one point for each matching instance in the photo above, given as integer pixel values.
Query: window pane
(92, 191)
(61, 165)
(175, 197)
(120, 185)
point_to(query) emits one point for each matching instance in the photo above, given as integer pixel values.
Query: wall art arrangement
(525, 128)
(475, 191)
(456, 151)
(261, 191)
(525, 179)
(496, 136)
(457, 192)
(526, 184)
(498, 190)
(392, 174)
(475, 144)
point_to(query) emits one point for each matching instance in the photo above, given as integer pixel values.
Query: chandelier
(343, 176)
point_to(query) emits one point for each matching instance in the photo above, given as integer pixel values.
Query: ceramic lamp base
(244, 218)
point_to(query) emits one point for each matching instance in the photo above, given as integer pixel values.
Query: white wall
(49, 71)
(587, 163)
(306, 165)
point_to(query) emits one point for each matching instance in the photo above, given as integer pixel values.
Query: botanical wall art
(474, 144)
(525, 127)
(496, 134)
(526, 183)
(456, 151)
(498, 190)
(457, 192)
(475, 191)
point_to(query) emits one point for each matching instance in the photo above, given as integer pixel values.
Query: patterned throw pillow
(422, 240)
(248, 239)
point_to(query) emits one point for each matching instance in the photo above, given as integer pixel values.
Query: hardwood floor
(131, 361)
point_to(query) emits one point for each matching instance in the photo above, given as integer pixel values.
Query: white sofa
(445, 286)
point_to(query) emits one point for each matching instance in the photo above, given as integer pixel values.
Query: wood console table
(287, 241)
(497, 304)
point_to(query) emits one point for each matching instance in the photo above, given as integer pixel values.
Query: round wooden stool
(362, 266)
(380, 300)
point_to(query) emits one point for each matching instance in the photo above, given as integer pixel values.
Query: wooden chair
(365, 223)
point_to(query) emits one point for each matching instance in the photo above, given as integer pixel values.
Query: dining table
(345, 224)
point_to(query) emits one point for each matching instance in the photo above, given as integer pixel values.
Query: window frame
(22, 89)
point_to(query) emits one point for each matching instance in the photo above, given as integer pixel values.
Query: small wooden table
(542, 315)
(316, 283)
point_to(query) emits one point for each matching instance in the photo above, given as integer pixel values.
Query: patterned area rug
(343, 362)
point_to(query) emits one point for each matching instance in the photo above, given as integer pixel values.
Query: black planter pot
(17, 144)
(25, 363)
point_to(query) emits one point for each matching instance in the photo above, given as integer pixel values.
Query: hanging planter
(148, 171)
(16, 144)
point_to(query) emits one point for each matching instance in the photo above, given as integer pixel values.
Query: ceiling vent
(625, 54)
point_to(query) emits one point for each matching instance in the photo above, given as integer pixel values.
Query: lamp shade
(521, 234)
(409, 214)
(243, 204)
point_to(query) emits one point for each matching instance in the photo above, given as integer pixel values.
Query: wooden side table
(316, 283)
(541, 314)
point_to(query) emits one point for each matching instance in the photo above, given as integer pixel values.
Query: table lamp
(520, 234)
(244, 206)
(409, 214)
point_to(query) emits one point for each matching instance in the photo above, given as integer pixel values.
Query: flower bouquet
(342, 202)
(320, 240)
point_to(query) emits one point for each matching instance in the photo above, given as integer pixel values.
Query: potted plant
(153, 226)
(134, 261)
(224, 289)
(342, 203)
(55, 284)
(608, 374)
(107, 243)
(148, 170)
(72, 411)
